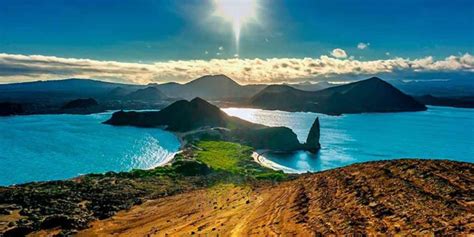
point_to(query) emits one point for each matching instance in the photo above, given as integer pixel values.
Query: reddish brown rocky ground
(401, 196)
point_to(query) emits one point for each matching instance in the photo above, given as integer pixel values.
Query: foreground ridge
(384, 197)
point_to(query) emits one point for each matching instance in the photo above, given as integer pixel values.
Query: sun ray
(237, 13)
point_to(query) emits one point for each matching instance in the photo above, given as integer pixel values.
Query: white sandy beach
(258, 156)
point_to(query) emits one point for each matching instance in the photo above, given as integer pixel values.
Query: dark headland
(198, 118)
(458, 102)
(371, 95)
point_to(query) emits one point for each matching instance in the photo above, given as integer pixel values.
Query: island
(198, 119)
(370, 95)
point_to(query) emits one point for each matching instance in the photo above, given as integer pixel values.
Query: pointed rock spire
(312, 142)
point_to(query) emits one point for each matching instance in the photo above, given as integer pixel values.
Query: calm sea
(438, 133)
(49, 147)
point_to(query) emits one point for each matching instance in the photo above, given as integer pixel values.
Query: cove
(52, 147)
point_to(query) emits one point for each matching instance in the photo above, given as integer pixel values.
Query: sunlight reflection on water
(440, 132)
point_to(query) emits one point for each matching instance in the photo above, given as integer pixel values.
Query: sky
(253, 41)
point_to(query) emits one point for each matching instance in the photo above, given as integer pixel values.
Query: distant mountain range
(362, 96)
(215, 87)
(211, 87)
(308, 86)
(371, 95)
(60, 90)
(150, 93)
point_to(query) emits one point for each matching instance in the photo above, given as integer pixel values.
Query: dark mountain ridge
(150, 93)
(210, 87)
(60, 90)
(80, 103)
(180, 116)
(370, 95)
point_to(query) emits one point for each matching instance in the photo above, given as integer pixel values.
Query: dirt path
(404, 197)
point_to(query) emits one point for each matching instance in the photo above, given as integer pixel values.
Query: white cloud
(339, 53)
(362, 46)
(15, 68)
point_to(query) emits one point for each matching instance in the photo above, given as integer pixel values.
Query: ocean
(51, 147)
(438, 133)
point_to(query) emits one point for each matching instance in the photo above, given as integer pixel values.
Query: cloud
(362, 46)
(339, 53)
(16, 68)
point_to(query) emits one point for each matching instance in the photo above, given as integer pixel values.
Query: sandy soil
(402, 197)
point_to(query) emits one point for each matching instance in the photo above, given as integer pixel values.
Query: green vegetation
(205, 158)
(233, 158)
(201, 165)
(223, 155)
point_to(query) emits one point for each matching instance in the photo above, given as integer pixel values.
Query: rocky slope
(405, 197)
(371, 95)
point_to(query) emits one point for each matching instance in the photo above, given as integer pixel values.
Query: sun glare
(237, 12)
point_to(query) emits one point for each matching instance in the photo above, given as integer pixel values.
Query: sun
(237, 13)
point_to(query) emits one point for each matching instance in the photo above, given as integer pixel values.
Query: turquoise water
(50, 147)
(439, 132)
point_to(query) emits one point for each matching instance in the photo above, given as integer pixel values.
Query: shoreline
(169, 159)
(265, 162)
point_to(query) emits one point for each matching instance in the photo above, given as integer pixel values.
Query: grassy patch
(223, 155)
(234, 158)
